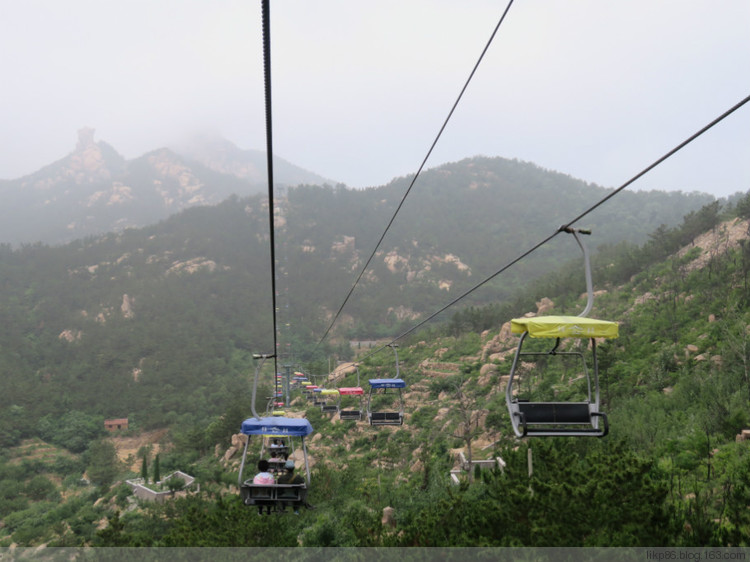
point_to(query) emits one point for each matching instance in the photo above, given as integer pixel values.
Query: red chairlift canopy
(351, 391)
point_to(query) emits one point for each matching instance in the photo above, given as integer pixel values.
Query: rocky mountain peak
(85, 138)
(88, 163)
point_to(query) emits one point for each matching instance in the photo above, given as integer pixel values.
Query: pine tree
(144, 470)
(157, 476)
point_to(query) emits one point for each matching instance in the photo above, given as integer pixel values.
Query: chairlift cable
(266, 17)
(416, 175)
(566, 226)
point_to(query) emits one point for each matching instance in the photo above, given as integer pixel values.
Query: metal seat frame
(549, 419)
(278, 496)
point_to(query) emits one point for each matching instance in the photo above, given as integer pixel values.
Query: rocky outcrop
(192, 266)
(127, 306)
(237, 444)
(718, 240)
(389, 518)
(70, 335)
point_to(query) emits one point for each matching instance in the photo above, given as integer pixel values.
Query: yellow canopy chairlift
(318, 397)
(559, 418)
(330, 403)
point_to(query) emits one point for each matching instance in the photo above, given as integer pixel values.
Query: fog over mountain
(94, 189)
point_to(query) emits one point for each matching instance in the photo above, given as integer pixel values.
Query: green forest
(159, 325)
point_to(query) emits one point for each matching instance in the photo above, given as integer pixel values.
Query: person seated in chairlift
(275, 463)
(290, 478)
(263, 476)
(278, 457)
(266, 478)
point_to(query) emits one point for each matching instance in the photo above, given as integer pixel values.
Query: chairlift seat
(555, 412)
(276, 465)
(278, 449)
(277, 495)
(560, 418)
(386, 418)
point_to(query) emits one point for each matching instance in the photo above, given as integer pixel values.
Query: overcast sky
(597, 89)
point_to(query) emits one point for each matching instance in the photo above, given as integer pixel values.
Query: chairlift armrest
(604, 419)
(522, 422)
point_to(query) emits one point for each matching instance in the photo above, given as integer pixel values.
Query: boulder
(389, 517)
(487, 368)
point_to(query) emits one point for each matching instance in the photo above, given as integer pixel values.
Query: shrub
(42, 488)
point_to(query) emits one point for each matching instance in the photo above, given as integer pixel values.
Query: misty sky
(597, 89)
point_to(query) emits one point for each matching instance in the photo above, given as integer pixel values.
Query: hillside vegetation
(672, 471)
(159, 324)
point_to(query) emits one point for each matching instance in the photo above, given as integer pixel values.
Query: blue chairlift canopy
(387, 383)
(295, 427)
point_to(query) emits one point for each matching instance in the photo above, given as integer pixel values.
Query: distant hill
(94, 190)
(462, 222)
(165, 318)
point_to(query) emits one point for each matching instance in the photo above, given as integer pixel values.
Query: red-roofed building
(116, 424)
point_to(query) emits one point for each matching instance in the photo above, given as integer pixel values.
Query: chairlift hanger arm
(553, 351)
(586, 263)
(262, 357)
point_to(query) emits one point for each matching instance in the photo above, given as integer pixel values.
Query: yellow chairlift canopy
(564, 327)
(329, 391)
